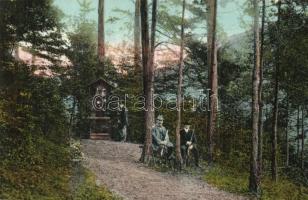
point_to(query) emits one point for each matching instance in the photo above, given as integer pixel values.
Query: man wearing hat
(160, 136)
(189, 143)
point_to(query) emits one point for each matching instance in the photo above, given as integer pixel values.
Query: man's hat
(186, 123)
(160, 117)
(186, 126)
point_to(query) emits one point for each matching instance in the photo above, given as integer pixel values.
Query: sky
(228, 16)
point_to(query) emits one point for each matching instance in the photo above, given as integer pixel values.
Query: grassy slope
(49, 184)
(236, 181)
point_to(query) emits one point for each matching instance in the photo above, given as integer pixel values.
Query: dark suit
(189, 137)
(123, 124)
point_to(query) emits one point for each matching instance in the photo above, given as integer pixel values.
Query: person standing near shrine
(123, 123)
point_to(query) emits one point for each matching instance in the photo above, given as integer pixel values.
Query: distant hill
(166, 56)
(24, 55)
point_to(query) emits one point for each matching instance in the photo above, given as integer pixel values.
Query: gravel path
(116, 166)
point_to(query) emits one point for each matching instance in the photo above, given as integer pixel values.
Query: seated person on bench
(160, 137)
(189, 143)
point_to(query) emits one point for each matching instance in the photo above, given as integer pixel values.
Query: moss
(236, 181)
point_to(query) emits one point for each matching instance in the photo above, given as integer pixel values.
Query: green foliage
(34, 182)
(32, 110)
(47, 182)
(34, 144)
(289, 48)
(226, 179)
(82, 55)
(169, 20)
(90, 191)
(35, 22)
(75, 150)
(235, 180)
(85, 69)
(35, 157)
(33, 119)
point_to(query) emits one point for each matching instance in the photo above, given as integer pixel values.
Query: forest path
(116, 166)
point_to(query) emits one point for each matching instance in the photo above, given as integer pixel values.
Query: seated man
(189, 143)
(160, 137)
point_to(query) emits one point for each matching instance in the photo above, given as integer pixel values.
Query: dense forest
(245, 96)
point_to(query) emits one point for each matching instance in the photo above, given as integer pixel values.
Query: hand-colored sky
(229, 15)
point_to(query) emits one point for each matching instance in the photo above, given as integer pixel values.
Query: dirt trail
(116, 166)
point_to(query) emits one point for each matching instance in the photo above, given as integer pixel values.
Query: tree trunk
(254, 179)
(298, 135)
(153, 29)
(72, 114)
(145, 42)
(212, 75)
(179, 93)
(137, 34)
(153, 39)
(287, 135)
(303, 140)
(275, 109)
(101, 31)
(260, 128)
(274, 130)
(147, 82)
(153, 35)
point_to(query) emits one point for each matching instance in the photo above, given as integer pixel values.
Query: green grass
(43, 183)
(236, 181)
(90, 191)
(34, 183)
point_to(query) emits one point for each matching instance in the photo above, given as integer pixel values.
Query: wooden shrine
(100, 123)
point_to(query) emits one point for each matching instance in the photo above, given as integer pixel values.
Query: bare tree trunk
(145, 42)
(260, 128)
(137, 34)
(274, 131)
(153, 29)
(298, 135)
(17, 56)
(101, 31)
(254, 179)
(212, 65)
(153, 40)
(287, 135)
(147, 82)
(153, 33)
(72, 114)
(275, 109)
(179, 93)
(303, 140)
